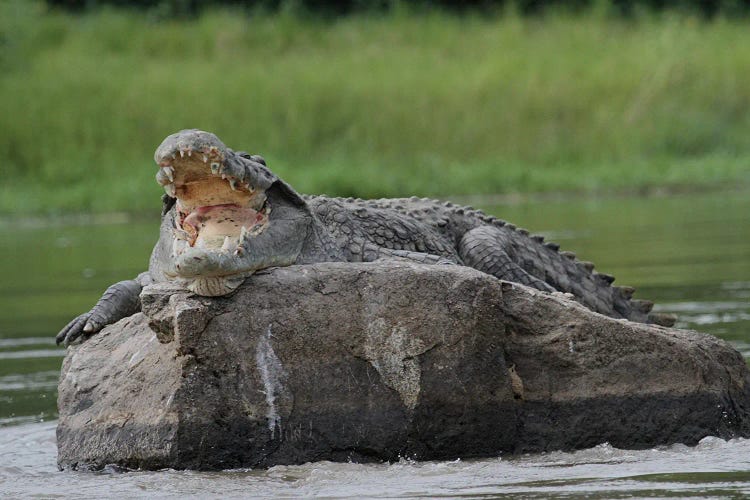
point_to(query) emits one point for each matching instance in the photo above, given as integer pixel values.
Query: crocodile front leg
(118, 301)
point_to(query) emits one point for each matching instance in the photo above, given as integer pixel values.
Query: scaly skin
(296, 229)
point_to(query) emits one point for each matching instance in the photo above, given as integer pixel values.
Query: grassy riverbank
(432, 105)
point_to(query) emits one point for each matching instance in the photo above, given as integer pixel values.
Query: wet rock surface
(370, 362)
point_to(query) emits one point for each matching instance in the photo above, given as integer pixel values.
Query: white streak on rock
(272, 375)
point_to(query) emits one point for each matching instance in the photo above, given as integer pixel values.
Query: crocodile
(225, 215)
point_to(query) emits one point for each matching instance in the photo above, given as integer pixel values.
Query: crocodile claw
(74, 329)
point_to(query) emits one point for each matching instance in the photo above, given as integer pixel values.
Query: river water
(689, 253)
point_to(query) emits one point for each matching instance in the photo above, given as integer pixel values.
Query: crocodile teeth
(214, 168)
(205, 159)
(170, 190)
(162, 177)
(182, 154)
(243, 234)
(233, 184)
(227, 244)
(170, 173)
(174, 156)
(190, 152)
(239, 251)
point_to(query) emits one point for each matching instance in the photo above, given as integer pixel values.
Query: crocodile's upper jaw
(214, 213)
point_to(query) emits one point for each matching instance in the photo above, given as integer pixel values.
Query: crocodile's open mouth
(216, 211)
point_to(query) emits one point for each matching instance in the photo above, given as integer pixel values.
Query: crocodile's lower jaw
(214, 286)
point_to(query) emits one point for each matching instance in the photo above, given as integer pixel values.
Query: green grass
(431, 104)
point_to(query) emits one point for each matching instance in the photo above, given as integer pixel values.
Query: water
(689, 253)
(712, 469)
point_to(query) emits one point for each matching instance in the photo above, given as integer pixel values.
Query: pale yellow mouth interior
(211, 212)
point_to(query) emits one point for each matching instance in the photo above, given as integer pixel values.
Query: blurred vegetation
(390, 104)
(707, 8)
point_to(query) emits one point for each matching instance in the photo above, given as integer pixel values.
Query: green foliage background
(706, 8)
(394, 104)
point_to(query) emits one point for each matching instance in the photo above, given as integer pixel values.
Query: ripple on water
(30, 381)
(32, 353)
(26, 341)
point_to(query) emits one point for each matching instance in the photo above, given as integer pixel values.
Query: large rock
(379, 361)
